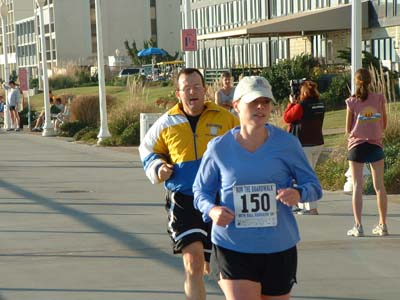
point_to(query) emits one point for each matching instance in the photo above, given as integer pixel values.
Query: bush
(33, 83)
(281, 73)
(131, 134)
(331, 171)
(86, 109)
(23, 115)
(61, 82)
(87, 134)
(338, 91)
(69, 129)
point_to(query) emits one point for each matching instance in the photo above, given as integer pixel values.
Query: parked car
(130, 71)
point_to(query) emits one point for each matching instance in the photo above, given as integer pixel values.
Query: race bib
(255, 205)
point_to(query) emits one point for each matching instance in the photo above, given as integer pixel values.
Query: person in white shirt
(12, 104)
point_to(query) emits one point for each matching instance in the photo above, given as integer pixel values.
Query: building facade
(258, 33)
(70, 30)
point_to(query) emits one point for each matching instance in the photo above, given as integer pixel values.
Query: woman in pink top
(365, 122)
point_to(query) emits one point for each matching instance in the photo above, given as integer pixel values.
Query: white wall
(169, 25)
(72, 27)
(125, 20)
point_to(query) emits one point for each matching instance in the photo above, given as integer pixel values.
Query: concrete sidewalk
(82, 222)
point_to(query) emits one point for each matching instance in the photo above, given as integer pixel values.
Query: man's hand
(289, 196)
(221, 215)
(165, 172)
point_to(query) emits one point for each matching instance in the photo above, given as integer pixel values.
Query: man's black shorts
(185, 223)
(276, 272)
(12, 108)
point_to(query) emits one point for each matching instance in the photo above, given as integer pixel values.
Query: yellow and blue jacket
(171, 140)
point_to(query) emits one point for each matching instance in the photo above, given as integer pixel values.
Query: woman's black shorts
(275, 271)
(366, 153)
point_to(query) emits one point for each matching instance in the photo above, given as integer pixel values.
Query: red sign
(189, 40)
(23, 79)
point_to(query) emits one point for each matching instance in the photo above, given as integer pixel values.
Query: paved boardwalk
(81, 222)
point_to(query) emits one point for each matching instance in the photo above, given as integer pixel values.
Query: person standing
(171, 153)
(305, 115)
(366, 121)
(224, 95)
(252, 167)
(12, 104)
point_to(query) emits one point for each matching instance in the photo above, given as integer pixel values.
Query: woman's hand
(288, 196)
(221, 215)
(293, 99)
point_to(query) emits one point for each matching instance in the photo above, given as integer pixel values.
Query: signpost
(23, 77)
(189, 40)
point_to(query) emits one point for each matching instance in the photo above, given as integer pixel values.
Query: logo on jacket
(214, 129)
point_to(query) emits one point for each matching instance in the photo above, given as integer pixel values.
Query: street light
(48, 129)
(104, 133)
(118, 61)
(4, 13)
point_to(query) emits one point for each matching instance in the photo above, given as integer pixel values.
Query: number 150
(255, 203)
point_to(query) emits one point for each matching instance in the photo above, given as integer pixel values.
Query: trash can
(146, 121)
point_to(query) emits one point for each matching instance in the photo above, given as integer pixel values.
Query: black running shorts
(185, 223)
(275, 271)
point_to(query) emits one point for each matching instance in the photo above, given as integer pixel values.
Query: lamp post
(104, 132)
(117, 55)
(4, 13)
(188, 24)
(48, 129)
(356, 63)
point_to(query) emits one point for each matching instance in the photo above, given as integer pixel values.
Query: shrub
(23, 115)
(33, 83)
(392, 131)
(281, 73)
(86, 109)
(87, 134)
(131, 134)
(61, 82)
(331, 171)
(69, 129)
(338, 91)
(124, 122)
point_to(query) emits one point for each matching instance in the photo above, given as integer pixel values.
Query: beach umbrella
(153, 52)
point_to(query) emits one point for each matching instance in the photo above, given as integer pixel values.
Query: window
(382, 48)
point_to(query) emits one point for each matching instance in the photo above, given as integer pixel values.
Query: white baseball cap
(250, 88)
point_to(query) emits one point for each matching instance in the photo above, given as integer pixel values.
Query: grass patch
(335, 119)
(333, 140)
(120, 93)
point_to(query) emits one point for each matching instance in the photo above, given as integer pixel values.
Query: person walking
(305, 115)
(171, 152)
(366, 121)
(251, 167)
(12, 104)
(224, 95)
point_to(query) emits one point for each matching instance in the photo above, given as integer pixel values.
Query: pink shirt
(367, 120)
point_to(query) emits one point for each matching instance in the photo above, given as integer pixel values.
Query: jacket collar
(209, 106)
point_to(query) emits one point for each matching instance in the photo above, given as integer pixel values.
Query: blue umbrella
(151, 52)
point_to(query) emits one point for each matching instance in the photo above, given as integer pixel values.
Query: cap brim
(250, 97)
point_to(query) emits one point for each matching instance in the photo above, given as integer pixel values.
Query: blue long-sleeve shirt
(227, 165)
